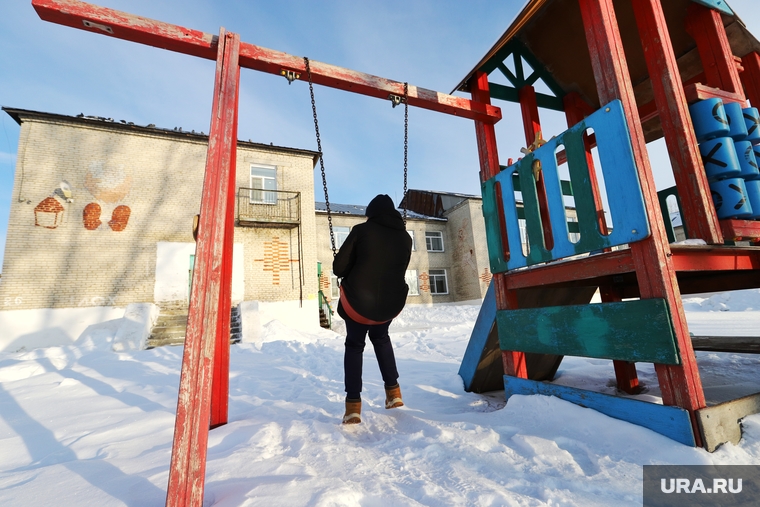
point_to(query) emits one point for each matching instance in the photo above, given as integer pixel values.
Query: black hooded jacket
(373, 262)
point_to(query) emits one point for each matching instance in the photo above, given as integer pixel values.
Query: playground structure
(632, 79)
(592, 82)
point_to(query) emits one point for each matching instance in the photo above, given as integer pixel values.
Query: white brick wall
(159, 176)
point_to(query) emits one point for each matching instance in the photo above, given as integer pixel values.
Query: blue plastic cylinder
(747, 160)
(753, 194)
(730, 198)
(737, 128)
(752, 121)
(709, 119)
(719, 158)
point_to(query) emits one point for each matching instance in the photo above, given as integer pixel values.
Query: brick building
(102, 215)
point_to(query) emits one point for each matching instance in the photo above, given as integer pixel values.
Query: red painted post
(188, 464)
(698, 211)
(680, 385)
(705, 26)
(147, 31)
(514, 362)
(220, 389)
(532, 128)
(751, 77)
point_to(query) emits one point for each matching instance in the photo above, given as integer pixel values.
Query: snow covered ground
(84, 426)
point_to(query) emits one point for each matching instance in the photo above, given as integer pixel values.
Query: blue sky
(429, 43)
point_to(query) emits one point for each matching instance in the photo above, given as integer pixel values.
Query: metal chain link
(321, 158)
(406, 142)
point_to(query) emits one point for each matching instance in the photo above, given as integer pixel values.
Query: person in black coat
(372, 262)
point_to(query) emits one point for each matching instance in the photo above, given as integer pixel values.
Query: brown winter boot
(393, 397)
(353, 412)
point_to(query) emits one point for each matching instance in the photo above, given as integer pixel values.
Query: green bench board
(672, 422)
(626, 203)
(636, 331)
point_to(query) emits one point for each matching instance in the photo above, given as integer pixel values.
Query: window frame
(431, 235)
(268, 195)
(432, 282)
(338, 241)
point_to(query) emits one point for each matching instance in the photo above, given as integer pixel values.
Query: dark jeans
(356, 335)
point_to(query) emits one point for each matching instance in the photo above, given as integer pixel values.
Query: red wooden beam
(698, 215)
(648, 110)
(532, 128)
(751, 77)
(588, 268)
(698, 91)
(689, 258)
(147, 31)
(680, 385)
(488, 155)
(188, 463)
(220, 387)
(737, 230)
(706, 28)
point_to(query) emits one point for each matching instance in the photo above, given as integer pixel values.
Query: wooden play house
(625, 73)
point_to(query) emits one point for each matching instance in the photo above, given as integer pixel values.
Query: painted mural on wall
(276, 258)
(486, 276)
(48, 213)
(109, 184)
(424, 282)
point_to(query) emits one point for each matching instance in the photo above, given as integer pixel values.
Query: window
(434, 241)
(411, 233)
(438, 283)
(341, 233)
(263, 178)
(411, 281)
(334, 289)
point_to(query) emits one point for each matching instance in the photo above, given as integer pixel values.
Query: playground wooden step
(734, 344)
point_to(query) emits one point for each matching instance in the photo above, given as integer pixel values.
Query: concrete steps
(172, 323)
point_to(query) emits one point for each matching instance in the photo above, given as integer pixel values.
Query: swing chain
(321, 158)
(406, 142)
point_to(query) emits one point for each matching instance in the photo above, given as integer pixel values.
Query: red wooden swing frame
(204, 380)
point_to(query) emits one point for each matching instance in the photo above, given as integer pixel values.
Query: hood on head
(380, 205)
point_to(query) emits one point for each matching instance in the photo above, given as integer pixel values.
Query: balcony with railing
(268, 208)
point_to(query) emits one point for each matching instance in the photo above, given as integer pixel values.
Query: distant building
(449, 259)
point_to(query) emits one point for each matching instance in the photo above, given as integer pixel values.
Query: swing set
(395, 101)
(204, 380)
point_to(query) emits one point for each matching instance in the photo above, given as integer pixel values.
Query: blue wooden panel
(672, 422)
(626, 203)
(635, 331)
(718, 5)
(478, 338)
